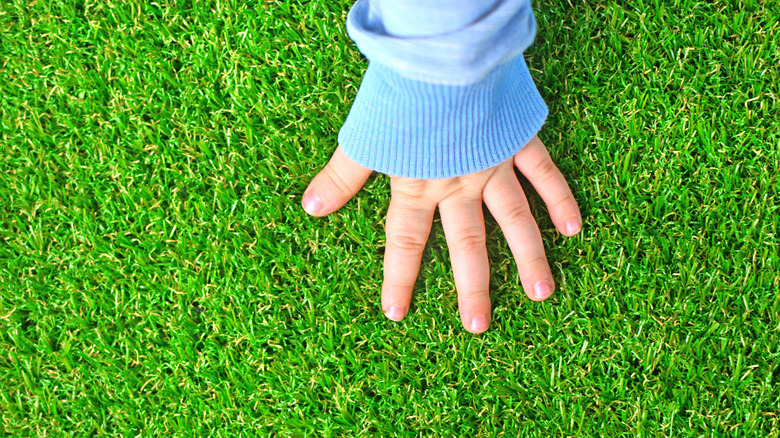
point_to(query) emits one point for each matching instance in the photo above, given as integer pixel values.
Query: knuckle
(538, 261)
(475, 294)
(567, 199)
(337, 180)
(518, 214)
(470, 240)
(405, 241)
(469, 187)
(414, 199)
(413, 195)
(409, 186)
(546, 169)
(392, 285)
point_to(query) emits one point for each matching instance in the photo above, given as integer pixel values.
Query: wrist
(415, 129)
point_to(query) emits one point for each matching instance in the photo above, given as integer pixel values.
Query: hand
(459, 199)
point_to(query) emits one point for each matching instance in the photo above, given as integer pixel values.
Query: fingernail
(542, 290)
(396, 313)
(311, 203)
(573, 227)
(479, 323)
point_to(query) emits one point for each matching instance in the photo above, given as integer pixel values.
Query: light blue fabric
(452, 42)
(447, 91)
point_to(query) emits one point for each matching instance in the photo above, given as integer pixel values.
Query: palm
(459, 201)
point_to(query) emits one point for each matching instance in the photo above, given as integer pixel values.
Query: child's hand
(459, 199)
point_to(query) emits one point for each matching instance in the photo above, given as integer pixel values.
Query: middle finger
(464, 228)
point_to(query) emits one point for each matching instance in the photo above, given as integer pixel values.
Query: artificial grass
(158, 276)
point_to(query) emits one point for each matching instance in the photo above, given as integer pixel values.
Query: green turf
(158, 276)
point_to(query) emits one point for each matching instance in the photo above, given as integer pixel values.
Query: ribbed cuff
(414, 129)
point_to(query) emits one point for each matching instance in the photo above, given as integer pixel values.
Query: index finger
(407, 228)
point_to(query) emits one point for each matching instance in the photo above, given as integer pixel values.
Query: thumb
(336, 184)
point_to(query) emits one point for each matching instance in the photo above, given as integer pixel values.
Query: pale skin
(459, 200)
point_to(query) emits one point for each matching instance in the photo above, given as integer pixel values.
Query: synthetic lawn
(158, 276)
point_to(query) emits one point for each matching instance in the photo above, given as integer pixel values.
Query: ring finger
(464, 227)
(506, 200)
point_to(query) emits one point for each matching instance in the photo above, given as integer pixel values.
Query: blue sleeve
(447, 91)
